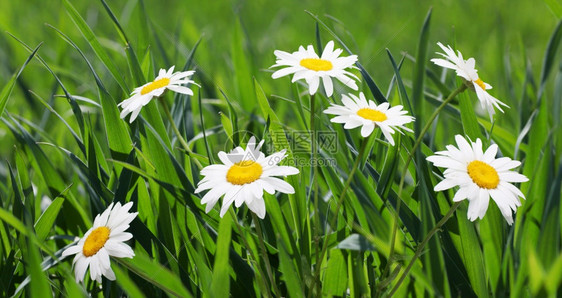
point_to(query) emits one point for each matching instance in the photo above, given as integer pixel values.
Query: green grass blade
(95, 45)
(156, 274)
(242, 69)
(7, 90)
(472, 254)
(550, 55)
(45, 222)
(220, 284)
(75, 108)
(468, 117)
(419, 72)
(118, 137)
(127, 283)
(39, 282)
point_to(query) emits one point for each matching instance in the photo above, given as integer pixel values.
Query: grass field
(364, 218)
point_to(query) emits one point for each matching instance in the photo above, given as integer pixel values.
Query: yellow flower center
(163, 82)
(316, 64)
(243, 172)
(95, 241)
(480, 83)
(372, 115)
(483, 174)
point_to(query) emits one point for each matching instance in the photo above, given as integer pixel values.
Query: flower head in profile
(305, 64)
(357, 111)
(142, 95)
(465, 69)
(105, 239)
(243, 176)
(479, 176)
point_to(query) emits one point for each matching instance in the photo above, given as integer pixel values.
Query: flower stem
(334, 218)
(422, 245)
(252, 255)
(265, 255)
(403, 175)
(178, 134)
(314, 184)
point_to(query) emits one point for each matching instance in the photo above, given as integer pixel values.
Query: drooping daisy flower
(242, 178)
(305, 64)
(105, 239)
(479, 175)
(465, 69)
(357, 111)
(142, 95)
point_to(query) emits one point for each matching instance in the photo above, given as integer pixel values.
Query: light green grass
(65, 65)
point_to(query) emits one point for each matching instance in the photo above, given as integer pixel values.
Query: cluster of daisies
(245, 173)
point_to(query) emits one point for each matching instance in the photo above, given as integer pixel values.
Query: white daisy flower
(242, 178)
(479, 175)
(465, 69)
(305, 64)
(142, 95)
(357, 111)
(105, 239)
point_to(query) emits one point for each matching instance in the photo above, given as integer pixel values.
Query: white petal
(367, 129)
(512, 177)
(445, 184)
(313, 84)
(118, 249)
(285, 71)
(502, 203)
(181, 89)
(328, 85)
(80, 268)
(258, 207)
(71, 250)
(280, 185)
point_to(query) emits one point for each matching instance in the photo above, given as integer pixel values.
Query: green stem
(403, 175)
(265, 255)
(314, 163)
(420, 248)
(178, 134)
(252, 255)
(334, 218)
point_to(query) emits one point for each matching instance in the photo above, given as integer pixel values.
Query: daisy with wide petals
(305, 64)
(465, 69)
(105, 239)
(357, 111)
(243, 176)
(479, 176)
(142, 95)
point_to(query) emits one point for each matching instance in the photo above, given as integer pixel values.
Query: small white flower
(142, 95)
(357, 111)
(305, 64)
(465, 69)
(242, 178)
(479, 176)
(105, 239)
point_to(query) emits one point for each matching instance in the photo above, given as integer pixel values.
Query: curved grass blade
(75, 108)
(96, 46)
(550, 55)
(156, 274)
(118, 137)
(7, 90)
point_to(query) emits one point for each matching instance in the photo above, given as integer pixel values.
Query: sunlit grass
(362, 219)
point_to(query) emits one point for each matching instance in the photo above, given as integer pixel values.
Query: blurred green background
(501, 35)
